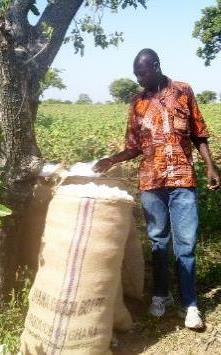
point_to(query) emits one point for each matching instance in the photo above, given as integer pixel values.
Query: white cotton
(95, 191)
(84, 169)
(49, 169)
(78, 169)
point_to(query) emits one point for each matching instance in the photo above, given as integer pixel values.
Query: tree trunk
(18, 108)
(26, 52)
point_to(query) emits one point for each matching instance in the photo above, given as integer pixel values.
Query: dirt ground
(168, 336)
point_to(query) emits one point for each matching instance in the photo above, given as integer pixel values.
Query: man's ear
(156, 66)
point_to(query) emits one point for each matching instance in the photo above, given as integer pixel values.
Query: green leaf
(208, 31)
(4, 5)
(4, 211)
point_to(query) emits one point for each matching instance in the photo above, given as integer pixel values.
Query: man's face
(145, 71)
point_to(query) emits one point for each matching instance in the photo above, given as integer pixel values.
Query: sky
(166, 26)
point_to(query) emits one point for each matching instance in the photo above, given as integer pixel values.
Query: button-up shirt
(161, 126)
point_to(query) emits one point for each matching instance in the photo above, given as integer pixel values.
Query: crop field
(82, 132)
(72, 133)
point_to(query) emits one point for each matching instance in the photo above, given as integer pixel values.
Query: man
(164, 119)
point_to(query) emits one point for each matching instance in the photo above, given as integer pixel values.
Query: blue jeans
(172, 212)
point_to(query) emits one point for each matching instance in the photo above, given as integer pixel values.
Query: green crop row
(73, 133)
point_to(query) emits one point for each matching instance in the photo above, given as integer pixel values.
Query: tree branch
(22, 5)
(57, 16)
(17, 17)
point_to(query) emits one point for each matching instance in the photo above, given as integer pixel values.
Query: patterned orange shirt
(161, 127)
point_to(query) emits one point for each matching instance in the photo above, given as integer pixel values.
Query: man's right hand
(103, 165)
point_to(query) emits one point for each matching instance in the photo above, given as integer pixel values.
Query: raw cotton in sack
(86, 169)
(133, 268)
(71, 303)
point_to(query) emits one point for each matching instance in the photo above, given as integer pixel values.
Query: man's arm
(202, 146)
(105, 164)
(199, 135)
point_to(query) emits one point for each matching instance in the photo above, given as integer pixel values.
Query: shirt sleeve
(197, 123)
(132, 131)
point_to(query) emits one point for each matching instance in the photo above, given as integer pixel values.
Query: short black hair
(147, 52)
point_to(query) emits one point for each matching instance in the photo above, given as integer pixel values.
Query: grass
(13, 316)
(82, 132)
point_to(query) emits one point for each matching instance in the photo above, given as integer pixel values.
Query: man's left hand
(213, 179)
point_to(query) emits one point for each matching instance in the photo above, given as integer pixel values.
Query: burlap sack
(35, 214)
(34, 223)
(122, 317)
(133, 268)
(71, 303)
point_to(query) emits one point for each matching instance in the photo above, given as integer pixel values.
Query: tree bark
(23, 160)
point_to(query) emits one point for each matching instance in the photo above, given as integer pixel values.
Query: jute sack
(122, 317)
(35, 213)
(133, 268)
(71, 303)
(34, 223)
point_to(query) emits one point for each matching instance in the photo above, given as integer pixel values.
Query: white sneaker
(159, 304)
(193, 318)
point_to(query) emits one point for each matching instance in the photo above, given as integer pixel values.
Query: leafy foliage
(91, 26)
(84, 99)
(122, 90)
(4, 211)
(91, 23)
(206, 97)
(56, 102)
(208, 30)
(4, 4)
(52, 79)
